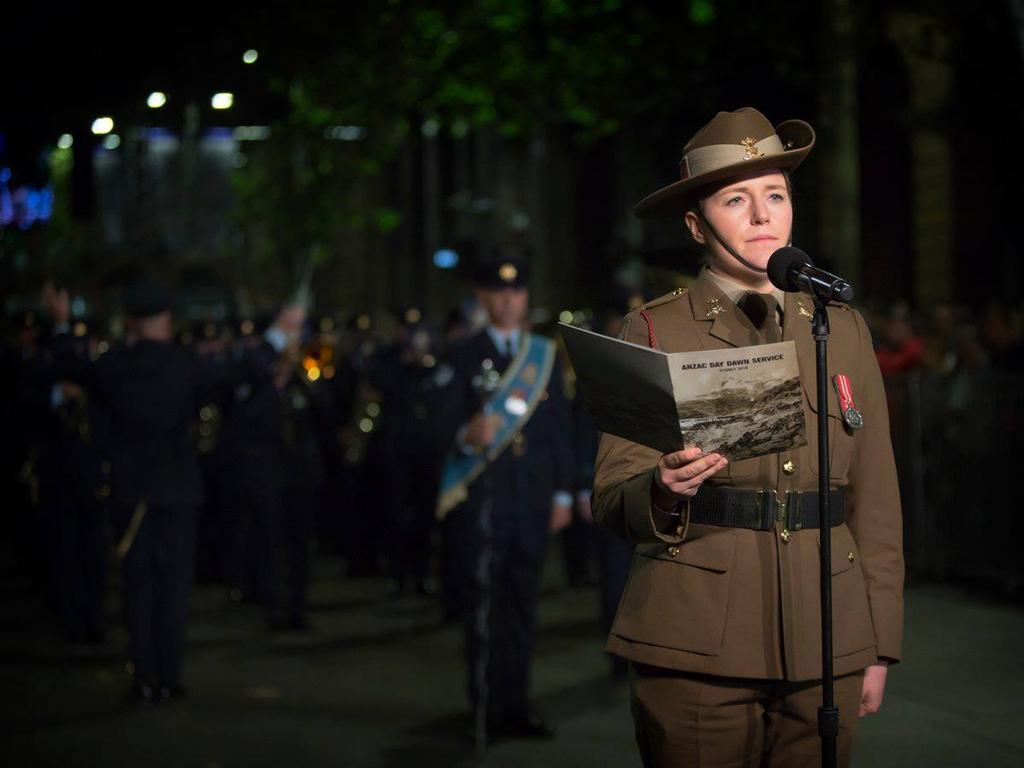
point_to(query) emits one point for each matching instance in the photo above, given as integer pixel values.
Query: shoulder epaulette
(677, 293)
(641, 311)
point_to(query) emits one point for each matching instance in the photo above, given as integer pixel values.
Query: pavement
(378, 681)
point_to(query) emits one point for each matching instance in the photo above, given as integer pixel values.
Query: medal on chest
(844, 391)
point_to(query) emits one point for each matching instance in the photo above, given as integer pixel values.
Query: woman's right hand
(680, 474)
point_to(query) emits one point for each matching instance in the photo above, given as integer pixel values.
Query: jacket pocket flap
(709, 553)
(810, 386)
(844, 549)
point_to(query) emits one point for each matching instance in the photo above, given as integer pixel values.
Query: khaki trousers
(686, 720)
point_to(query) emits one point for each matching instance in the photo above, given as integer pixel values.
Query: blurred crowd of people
(953, 381)
(949, 338)
(297, 426)
(315, 437)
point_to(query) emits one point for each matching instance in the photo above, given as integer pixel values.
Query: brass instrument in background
(318, 363)
(319, 355)
(209, 429)
(355, 435)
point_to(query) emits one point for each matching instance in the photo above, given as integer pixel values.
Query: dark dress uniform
(74, 493)
(271, 478)
(580, 548)
(521, 484)
(252, 460)
(303, 488)
(404, 377)
(612, 553)
(150, 391)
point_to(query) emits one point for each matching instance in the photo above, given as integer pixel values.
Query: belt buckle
(795, 504)
(781, 505)
(782, 513)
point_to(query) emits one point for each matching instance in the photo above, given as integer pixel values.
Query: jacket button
(673, 551)
(785, 536)
(789, 467)
(850, 557)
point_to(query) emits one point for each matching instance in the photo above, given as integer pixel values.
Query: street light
(222, 100)
(156, 100)
(250, 56)
(113, 141)
(101, 126)
(65, 141)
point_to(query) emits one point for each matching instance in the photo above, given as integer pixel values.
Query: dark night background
(367, 138)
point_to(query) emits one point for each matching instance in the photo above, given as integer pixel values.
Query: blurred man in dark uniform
(73, 474)
(150, 388)
(612, 553)
(403, 376)
(272, 471)
(507, 421)
(365, 470)
(19, 395)
(303, 488)
(251, 459)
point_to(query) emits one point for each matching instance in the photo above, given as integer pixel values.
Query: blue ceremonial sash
(514, 401)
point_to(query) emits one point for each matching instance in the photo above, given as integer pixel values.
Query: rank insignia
(804, 311)
(714, 308)
(851, 416)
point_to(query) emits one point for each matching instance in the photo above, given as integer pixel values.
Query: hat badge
(508, 272)
(750, 145)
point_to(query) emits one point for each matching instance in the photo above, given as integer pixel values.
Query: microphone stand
(828, 713)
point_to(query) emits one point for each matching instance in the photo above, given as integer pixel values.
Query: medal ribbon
(845, 392)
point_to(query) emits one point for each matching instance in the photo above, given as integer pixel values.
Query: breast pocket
(840, 438)
(677, 597)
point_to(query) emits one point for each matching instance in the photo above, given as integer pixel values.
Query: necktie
(503, 359)
(761, 309)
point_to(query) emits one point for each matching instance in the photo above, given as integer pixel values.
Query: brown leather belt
(760, 510)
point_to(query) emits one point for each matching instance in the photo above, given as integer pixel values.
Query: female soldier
(721, 615)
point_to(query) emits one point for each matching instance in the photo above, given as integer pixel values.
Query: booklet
(740, 402)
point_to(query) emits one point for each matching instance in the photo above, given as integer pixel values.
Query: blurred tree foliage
(592, 66)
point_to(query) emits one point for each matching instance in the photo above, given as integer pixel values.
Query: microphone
(792, 270)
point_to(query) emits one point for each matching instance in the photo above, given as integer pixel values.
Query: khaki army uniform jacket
(742, 603)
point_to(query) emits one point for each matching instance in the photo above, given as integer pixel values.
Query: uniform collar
(499, 338)
(735, 290)
(726, 321)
